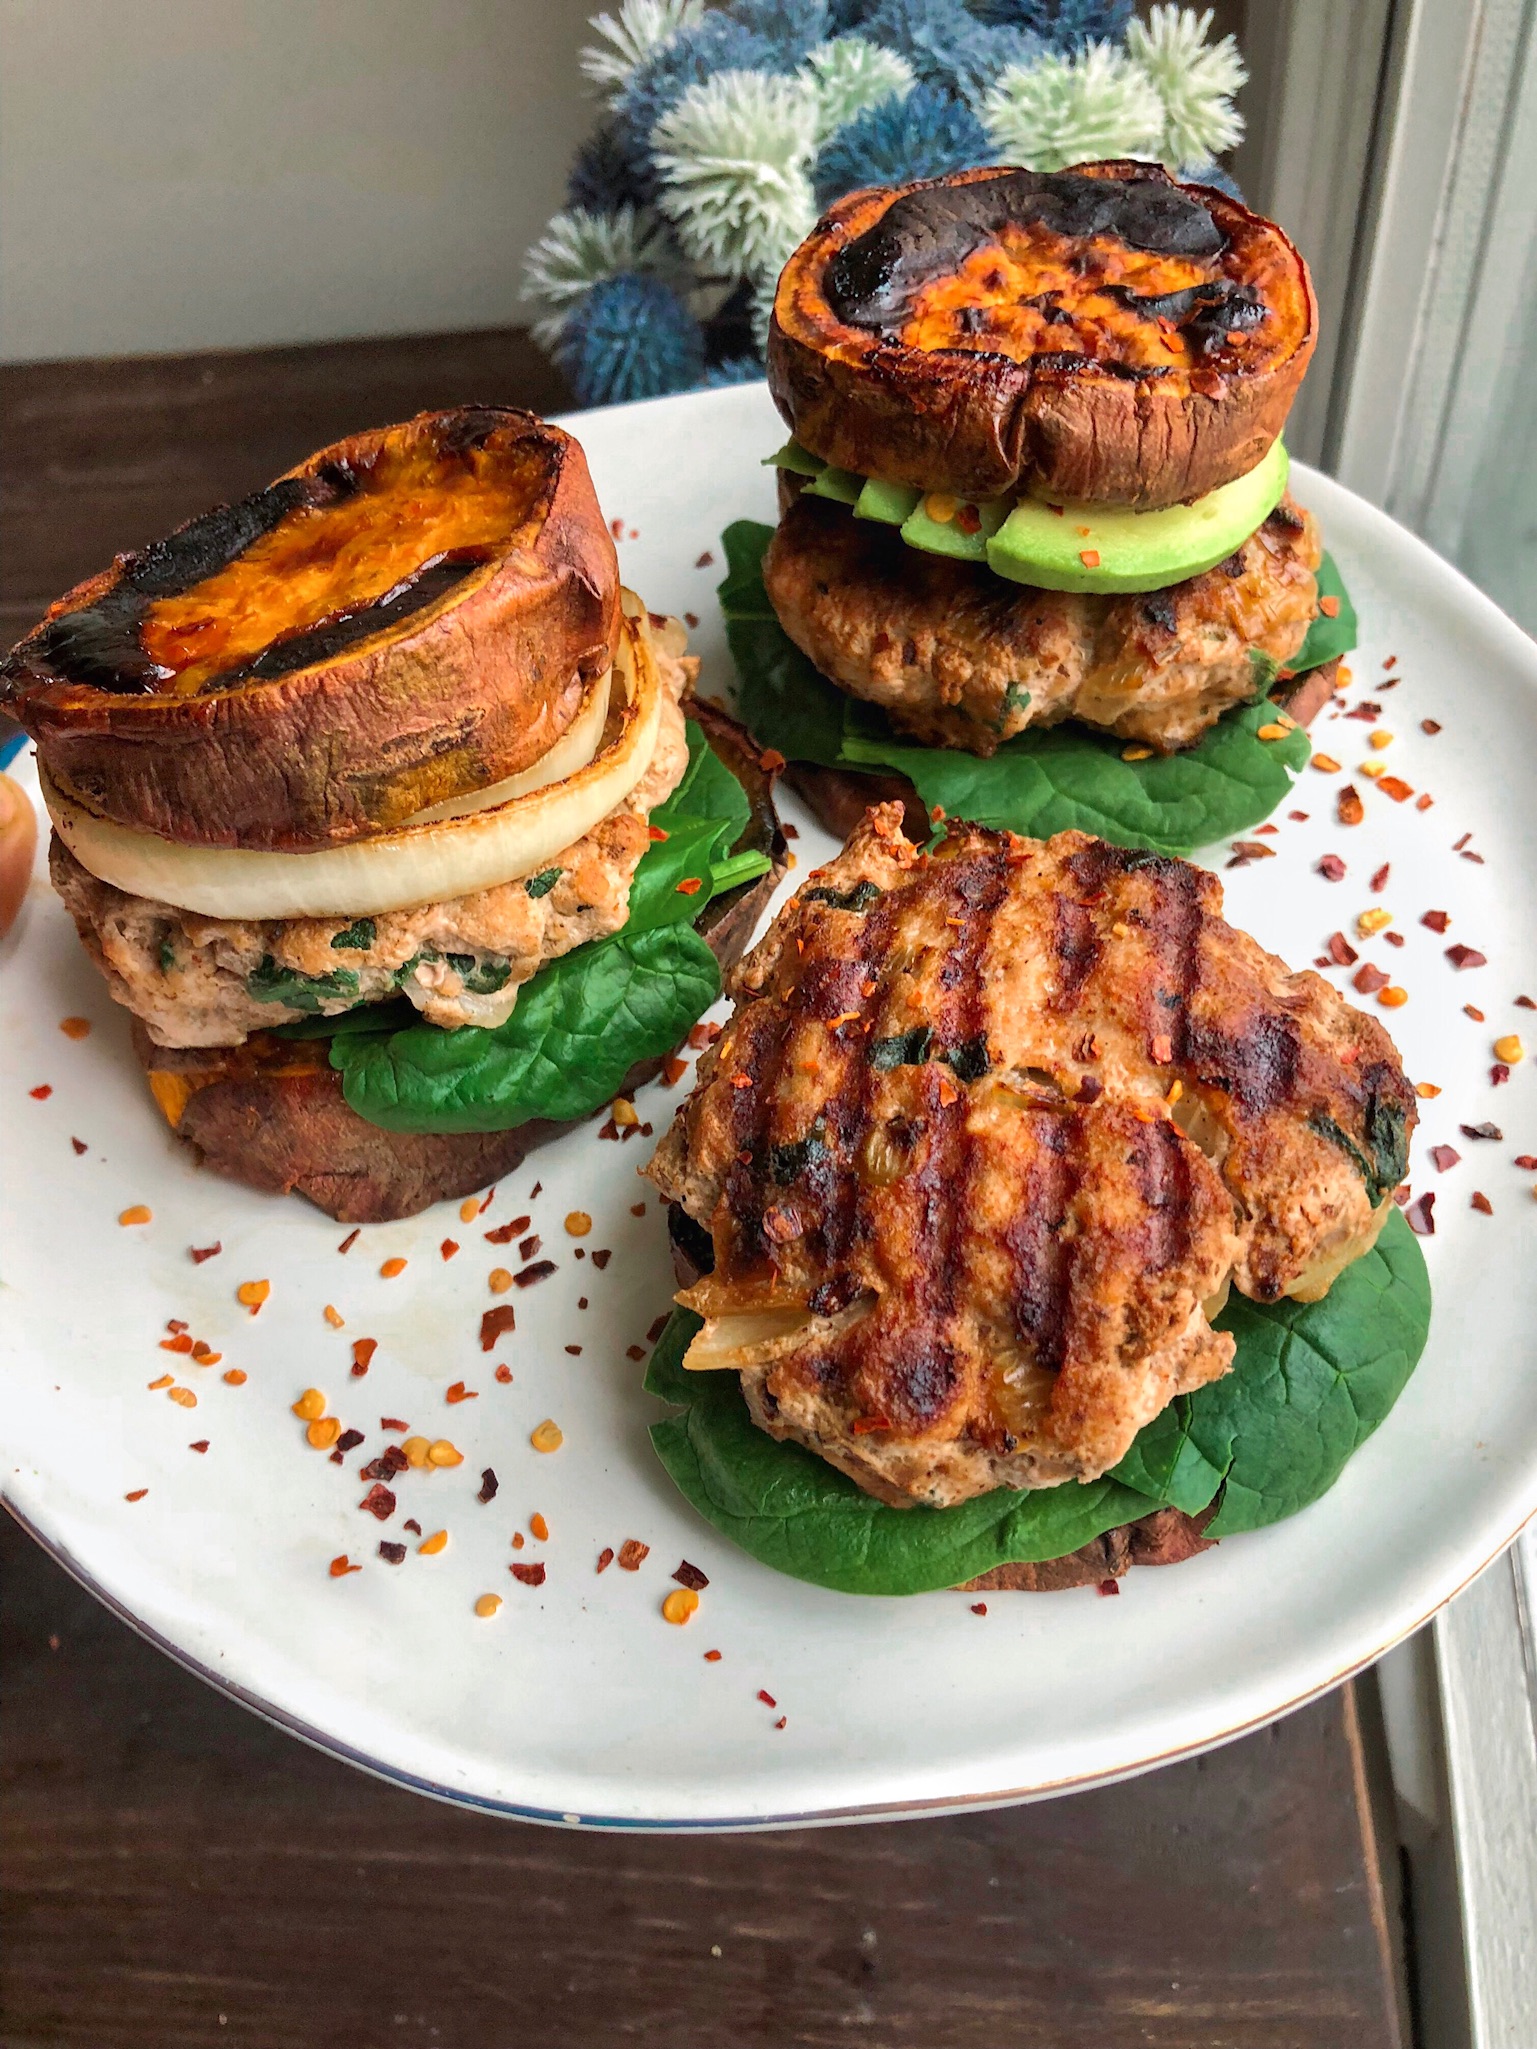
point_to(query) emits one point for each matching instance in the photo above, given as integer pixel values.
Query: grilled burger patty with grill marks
(959, 657)
(991, 1132)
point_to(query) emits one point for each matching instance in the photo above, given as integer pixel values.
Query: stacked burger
(1036, 477)
(375, 797)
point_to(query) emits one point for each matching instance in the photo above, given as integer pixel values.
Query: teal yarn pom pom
(631, 337)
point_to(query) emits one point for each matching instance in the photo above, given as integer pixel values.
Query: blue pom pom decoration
(1063, 26)
(631, 337)
(795, 27)
(1210, 174)
(719, 43)
(946, 44)
(733, 370)
(924, 136)
(846, 15)
(601, 179)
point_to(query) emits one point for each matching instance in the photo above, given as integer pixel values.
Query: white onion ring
(423, 862)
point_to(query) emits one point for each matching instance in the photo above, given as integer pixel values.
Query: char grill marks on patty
(989, 1136)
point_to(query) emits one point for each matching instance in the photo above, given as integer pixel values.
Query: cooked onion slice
(427, 861)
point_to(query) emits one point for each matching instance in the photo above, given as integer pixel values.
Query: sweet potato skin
(271, 1114)
(470, 690)
(983, 425)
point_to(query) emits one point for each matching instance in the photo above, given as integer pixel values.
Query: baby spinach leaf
(268, 983)
(579, 1026)
(1328, 637)
(1309, 1384)
(1040, 782)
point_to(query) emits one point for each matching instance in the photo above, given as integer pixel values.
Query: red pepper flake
(655, 833)
(1431, 726)
(138, 1494)
(691, 885)
(1421, 1222)
(1471, 856)
(201, 1252)
(460, 1393)
(80, 1146)
(348, 1441)
(1499, 1074)
(1471, 1010)
(392, 1554)
(180, 1343)
(1366, 711)
(393, 1423)
(1525, 1003)
(1482, 1203)
(605, 1558)
(526, 1276)
(528, 1575)
(1348, 808)
(767, 1699)
(1395, 787)
(1369, 979)
(969, 520)
(782, 1722)
(1444, 1156)
(1298, 817)
(1437, 921)
(690, 1576)
(691, 620)
(1379, 881)
(705, 561)
(1266, 827)
(1482, 1131)
(658, 1326)
(505, 1233)
(379, 1501)
(1245, 851)
(601, 1257)
(200, 1445)
(1341, 952)
(712, 1657)
(449, 1247)
(1332, 868)
(42, 1092)
(349, 1241)
(489, 1485)
(703, 1035)
(1527, 1162)
(1466, 957)
(636, 1352)
(340, 1567)
(363, 1350)
(1089, 557)
(741, 1080)
(529, 1246)
(504, 1375)
(673, 1070)
(1112, 1586)
(1423, 801)
(490, 1196)
(494, 1323)
(979, 1607)
(575, 1351)
(1330, 607)
(633, 1554)
(1394, 938)
(413, 1525)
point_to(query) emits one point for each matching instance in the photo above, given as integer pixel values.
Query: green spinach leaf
(1038, 783)
(1310, 1382)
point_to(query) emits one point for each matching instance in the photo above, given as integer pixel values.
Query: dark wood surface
(176, 1874)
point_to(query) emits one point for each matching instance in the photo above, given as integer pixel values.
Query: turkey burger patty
(991, 1133)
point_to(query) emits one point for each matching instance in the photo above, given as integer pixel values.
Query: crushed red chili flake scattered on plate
(42, 1092)
(1379, 881)
(505, 1233)
(1466, 957)
(528, 1575)
(412, 1524)
(494, 1323)
(1484, 1130)
(526, 1276)
(767, 1699)
(1421, 1221)
(392, 1554)
(199, 1444)
(1482, 1203)
(449, 1247)
(80, 1146)
(458, 1392)
(1472, 1010)
(1109, 1586)
(1526, 1003)
(712, 1657)
(200, 1252)
(350, 1240)
(138, 1494)
(379, 1501)
(348, 1441)
(633, 1554)
(1332, 868)
(690, 1576)
(1341, 952)
(1444, 1157)
(363, 1350)
(605, 1558)
(1368, 979)
(504, 1375)
(393, 1423)
(601, 1257)
(341, 1566)
(636, 1352)
(1527, 1162)
(1499, 1074)
(489, 1486)
(1348, 808)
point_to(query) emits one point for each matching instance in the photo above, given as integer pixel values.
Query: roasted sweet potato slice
(271, 1113)
(1101, 335)
(409, 616)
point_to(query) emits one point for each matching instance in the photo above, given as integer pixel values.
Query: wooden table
(177, 1874)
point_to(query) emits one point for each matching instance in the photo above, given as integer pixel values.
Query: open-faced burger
(1024, 1200)
(390, 815)
(1036, 476)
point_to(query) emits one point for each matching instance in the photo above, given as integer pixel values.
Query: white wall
(187, 174)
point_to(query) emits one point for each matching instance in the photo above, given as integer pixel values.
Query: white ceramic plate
(577, 1702)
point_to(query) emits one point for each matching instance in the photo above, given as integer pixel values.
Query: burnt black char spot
(929, 233)
(1207, 313)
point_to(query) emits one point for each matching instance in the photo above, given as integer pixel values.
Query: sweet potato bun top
(407, 617)
(1101, 334)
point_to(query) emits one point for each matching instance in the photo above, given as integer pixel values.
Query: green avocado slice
(891, 504)
(949, 537)
(1044, 545)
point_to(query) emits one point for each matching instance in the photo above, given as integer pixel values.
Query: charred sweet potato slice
(1101, 335)
(409, 616)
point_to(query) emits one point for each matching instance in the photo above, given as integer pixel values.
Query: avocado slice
(793, 457)
(889, 503)
(842, 486)
(920, 529)
(1045, 545)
